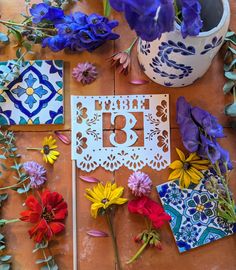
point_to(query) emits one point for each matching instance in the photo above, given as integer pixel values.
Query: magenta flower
(85, 73)
(140, 184)
(36, 172)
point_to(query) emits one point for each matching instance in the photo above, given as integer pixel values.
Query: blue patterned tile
(35, 96)
(194, 215)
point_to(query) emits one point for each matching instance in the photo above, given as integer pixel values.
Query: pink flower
(36, 172)
(140, 184)
(85, 73)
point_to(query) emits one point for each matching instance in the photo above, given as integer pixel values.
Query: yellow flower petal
(121, 201)
(194, 173)
(177, 164)
(186, 180)
(116, 193)
(94, 209)
(175, 174)
(192, 156)
(180, 154)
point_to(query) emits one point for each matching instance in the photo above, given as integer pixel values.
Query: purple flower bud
(140, 184)
(36, 172)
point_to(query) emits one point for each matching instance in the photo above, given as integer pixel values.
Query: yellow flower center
(200, 208)
(29, 91)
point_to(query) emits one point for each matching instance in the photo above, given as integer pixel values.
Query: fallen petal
(96, 233)
(139, 82)
(89, 179)
(63, 137)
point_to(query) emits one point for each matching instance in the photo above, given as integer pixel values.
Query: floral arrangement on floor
(200, 132)
(46, 210)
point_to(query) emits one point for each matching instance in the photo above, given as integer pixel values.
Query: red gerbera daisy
(48, 214)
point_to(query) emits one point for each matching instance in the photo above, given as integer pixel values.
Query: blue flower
(208, 122)
(149, 18)
(192, 23)
(55, 43)
(43, 11)
(189, 130)
(209, 149)
(79, 32)
(30, 91)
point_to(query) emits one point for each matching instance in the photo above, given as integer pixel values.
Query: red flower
(151, 209)
(48, 214)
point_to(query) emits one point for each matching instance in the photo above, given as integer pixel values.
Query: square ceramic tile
(35, 96)
(194, 215)
(92, 149)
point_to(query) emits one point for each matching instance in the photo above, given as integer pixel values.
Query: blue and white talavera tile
(193, 212)
(35, 96)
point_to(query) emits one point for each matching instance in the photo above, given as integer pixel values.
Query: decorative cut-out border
(87, 132)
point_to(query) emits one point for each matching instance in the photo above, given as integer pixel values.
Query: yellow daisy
(49, 153)
(104, 196)
(188, 170)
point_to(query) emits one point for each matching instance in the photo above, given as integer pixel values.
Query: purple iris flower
(192, 23)
(209, 149)
(208, 122)
(43, 11)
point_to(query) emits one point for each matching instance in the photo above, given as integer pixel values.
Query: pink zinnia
(85, 73)
(36, 172)
(140, 184)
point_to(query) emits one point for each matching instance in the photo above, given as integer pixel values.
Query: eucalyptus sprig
(48, 261)
(5, 259)
(8, 150)
(229, 72)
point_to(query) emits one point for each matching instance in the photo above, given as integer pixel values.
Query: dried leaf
(63, 137)
(89, 179)
(139, 81)
(96, 233)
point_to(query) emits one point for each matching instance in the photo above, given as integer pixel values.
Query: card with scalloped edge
(194, 220)
(36, 96)
(94, 146)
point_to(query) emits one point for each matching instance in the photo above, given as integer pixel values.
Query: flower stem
(4, 222)
(45, 257)
(27, 26)
(131, 46)
(32, 148)
(139, 252)
(15, 185)
(109, 222)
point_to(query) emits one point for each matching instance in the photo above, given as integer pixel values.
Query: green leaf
(23, 190)
(5, 258)
(49, 258)
(228, 86)
(232, 39)
(4, 38)
(106, 8)
(16, 34)
(230, 75)
(230, 66)
(2, 247)
(18, 53)
(230, 110)
(27, 45)
(3, 197)
(232, 50)
(229, 34)
(5, 266)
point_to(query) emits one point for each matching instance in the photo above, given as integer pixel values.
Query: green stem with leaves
(45, 257)
(6, 23)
